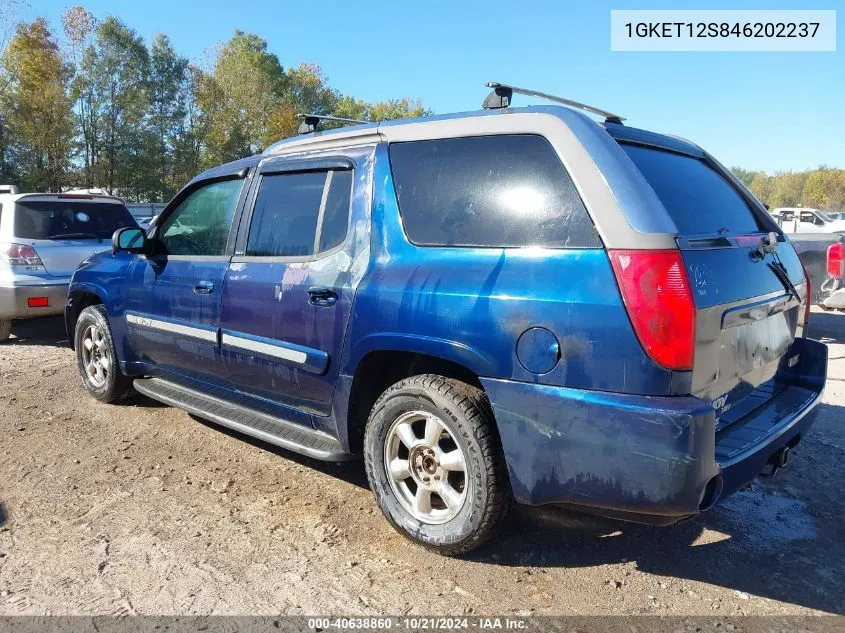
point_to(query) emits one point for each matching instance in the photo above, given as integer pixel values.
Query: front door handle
(323, 297)
(204, 288)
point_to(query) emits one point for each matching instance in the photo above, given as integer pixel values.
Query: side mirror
(129, 239)
(767, 206)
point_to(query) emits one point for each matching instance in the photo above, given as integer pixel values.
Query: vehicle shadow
(776, 539)
(140, 400)
(761, 541)
(827, 326)
(699, 550)
(351, 472)
(4, 516)
(47, 331)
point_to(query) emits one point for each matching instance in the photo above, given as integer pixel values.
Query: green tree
(352, 108)
(242, 97)
(762, 186)
(38, 107)
(168, 109)
(745, 175)
(10, 11)
(144, 121)
(825, 189)
(118, 65)
(307, 90)
(190, 132)
(78, 25)
(787, 189)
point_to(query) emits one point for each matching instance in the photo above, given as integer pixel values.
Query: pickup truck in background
(823, 257)
(802, 220)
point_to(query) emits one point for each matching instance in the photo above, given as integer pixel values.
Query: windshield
(69, 219)
(825, 216)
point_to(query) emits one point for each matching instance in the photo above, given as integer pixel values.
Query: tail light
(19, 255)
(835, 259)
(657, 296)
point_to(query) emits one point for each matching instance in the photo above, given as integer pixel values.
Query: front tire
(96, 357)
(435, 463)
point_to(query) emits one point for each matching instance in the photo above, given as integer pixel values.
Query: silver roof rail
(310, 122)
(502, 94)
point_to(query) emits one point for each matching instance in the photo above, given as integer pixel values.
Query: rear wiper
(780, 272)
(769, 246)
(70, 236)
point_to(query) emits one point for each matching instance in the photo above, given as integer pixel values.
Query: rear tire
(435, 463)
(96, 357)
(5, 329)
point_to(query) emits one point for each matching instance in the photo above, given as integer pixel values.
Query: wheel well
(77, 302)
(378, 370)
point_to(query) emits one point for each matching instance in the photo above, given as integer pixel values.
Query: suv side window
(201, 223)
(299, 213)
(494, 191)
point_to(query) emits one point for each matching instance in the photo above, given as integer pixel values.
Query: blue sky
(771, 111)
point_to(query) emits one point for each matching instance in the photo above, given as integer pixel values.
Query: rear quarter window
(488, 191)
(698, 199)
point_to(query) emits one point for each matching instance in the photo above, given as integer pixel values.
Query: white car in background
(801, 220)
(43, 239)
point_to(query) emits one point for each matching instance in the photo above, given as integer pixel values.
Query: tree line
(90, 104)
(822, 188)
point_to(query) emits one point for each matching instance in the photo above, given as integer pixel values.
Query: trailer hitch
(777, 461)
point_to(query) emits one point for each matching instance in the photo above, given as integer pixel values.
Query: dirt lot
(141, 509)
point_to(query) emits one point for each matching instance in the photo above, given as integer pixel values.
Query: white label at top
(723, 30)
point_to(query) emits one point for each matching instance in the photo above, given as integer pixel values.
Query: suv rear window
(494, 191)
(697, 197)
(69, 219)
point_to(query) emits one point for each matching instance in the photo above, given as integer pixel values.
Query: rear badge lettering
(718, 403)
(793, 361)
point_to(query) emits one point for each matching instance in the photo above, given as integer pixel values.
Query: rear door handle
(320, 296)
(204, 288)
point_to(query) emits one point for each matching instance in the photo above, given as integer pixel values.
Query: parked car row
(514, 304)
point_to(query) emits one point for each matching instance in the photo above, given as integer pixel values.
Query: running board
(289, 435)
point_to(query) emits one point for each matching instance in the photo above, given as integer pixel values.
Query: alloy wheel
(95, 357)
(426, 467)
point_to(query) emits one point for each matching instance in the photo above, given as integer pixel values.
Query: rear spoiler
(93, 197)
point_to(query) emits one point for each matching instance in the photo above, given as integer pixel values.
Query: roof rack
(310, 122)
(502, 94)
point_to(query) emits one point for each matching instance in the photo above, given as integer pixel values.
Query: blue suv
(513, 304)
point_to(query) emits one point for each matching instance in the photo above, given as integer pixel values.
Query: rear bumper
(644, 458)
(14, 299)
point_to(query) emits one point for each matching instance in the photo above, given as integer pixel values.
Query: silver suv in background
(43, 239)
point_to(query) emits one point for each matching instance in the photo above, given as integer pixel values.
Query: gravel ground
(139, 508)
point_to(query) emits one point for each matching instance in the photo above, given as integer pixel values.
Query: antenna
(502, 94)
(310, 122)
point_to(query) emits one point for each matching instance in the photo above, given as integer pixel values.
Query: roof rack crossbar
(502, 93)
(310, 122)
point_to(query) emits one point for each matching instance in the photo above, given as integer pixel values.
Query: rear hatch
(66, 229)
(747, 289)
